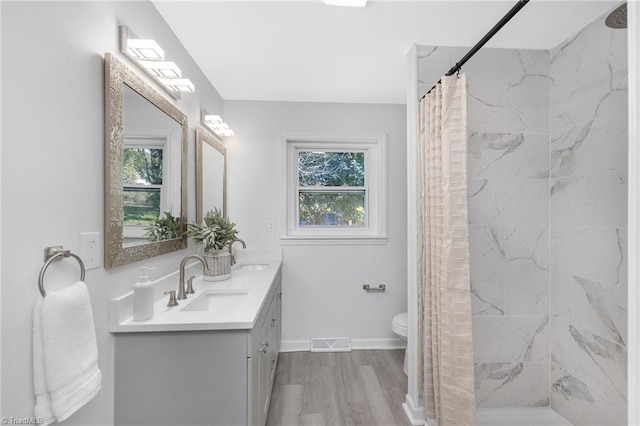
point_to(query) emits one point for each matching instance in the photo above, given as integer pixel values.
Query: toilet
(399, 326)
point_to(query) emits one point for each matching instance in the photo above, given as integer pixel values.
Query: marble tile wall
(588, 203)
(508, 166)
(547, 222)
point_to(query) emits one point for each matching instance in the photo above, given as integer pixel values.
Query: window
(335, 188)
(146, 195)
(142, 184)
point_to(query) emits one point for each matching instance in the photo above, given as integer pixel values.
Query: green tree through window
(332, 188)
(142, 184)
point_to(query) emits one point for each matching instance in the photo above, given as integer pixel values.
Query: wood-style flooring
(363, 387)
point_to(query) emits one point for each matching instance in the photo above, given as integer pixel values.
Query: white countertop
(256, 284)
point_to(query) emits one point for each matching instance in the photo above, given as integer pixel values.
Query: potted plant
(166, 228)
(215, 234)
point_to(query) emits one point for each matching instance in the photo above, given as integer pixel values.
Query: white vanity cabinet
(199, 377)
(262, 363)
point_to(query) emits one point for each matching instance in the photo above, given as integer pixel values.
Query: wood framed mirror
(145, 169)
(211, 174)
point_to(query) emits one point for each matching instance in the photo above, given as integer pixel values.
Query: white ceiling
(302, 50)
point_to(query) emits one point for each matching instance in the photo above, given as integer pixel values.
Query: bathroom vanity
(209, 361)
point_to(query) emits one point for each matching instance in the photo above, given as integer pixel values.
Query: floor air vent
(341, 344)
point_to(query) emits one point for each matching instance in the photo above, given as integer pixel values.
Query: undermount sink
(227, 299)
(254, 266)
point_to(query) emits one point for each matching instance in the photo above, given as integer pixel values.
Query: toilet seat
(399, 324)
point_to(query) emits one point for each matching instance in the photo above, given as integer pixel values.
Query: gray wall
(508, 167)
(588, 189)
(53, 186)
(321, 284)
(52, 168)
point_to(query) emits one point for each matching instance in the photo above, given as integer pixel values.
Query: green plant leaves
(215, 233)
(166, 228)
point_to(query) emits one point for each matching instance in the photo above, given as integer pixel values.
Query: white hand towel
(65, 353)
(43, 401)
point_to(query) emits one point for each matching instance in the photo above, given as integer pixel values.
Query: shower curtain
(444, 295)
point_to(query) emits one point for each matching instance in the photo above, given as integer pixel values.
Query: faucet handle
(172, 298)
(190, 289)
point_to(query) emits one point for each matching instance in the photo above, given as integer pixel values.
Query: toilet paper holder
(367, 287)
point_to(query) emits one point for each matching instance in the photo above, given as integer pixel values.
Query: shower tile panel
(433, 62)
(579, 109)
(588, 75)
(588, 191)
(510, 339)
(486, 247)
(588, 200)
(589, 147)
(486, 109)
(596, 254)
(527, 270)
(589, 327)
(486, 68)
(508, 155)
(585, 392)
(527, 91)
(487, 292)
(527, 288)
(508, 201)
(512, 384)
(508, 165)
(522, 64)
(528, 243)
(587, 308)
(526, 110)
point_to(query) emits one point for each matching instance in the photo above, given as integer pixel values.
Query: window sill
(333, 240)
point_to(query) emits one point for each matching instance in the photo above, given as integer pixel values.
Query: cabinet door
(265, 383)
(273, 344)
(254, 406)
(278, 318)
(259, 388)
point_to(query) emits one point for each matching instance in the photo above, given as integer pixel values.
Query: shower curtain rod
(497, 27)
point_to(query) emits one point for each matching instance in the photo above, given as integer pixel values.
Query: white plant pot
(219, 264)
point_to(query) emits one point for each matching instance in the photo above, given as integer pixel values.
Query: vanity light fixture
(145, 49)
(162, 69)
(178, 84)
(149, 57)
(349, 3)
(215, 123)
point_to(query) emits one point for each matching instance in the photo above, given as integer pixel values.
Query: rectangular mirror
(145, 169)
(211, 174)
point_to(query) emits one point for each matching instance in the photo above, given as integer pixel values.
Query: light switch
(90, 249)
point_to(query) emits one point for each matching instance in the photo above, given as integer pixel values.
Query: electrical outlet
(90, 249)
(271, 224)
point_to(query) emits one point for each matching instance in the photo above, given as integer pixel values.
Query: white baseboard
(388, 343)
(295, 346)
(415, 414)
(305, 345)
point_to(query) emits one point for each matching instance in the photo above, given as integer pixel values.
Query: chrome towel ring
(52, 254)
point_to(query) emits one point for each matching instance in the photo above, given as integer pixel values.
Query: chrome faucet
(236, 240)
(181, 287)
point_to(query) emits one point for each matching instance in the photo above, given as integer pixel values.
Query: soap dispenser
(143, 297)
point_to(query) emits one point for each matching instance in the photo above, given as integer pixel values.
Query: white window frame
(375, 149)
(150, 142)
